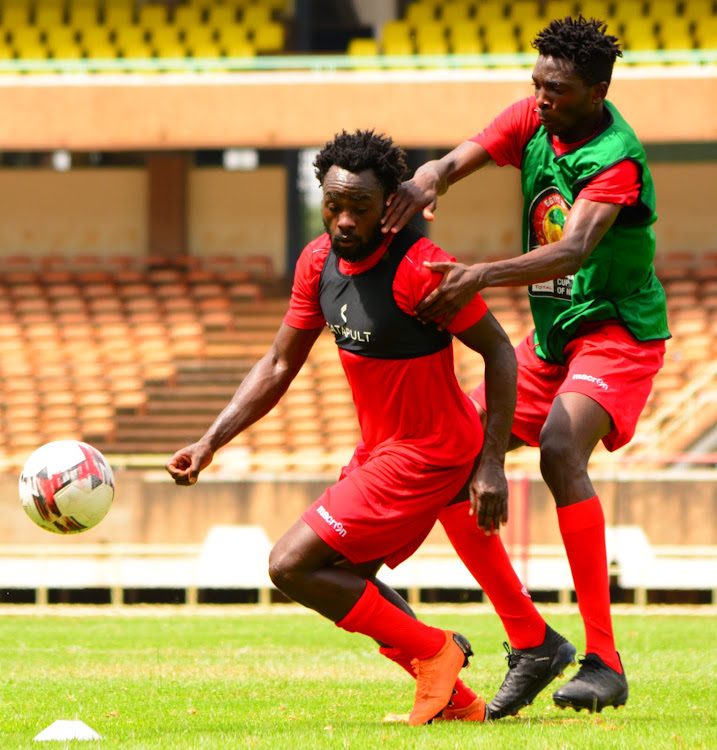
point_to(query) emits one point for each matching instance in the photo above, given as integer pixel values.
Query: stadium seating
(137, 357)
(508, 26)
(107, 29)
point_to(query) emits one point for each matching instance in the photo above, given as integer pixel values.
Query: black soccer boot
(530, 670)
(594, 686)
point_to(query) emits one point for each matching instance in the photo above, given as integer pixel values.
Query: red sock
(582, 526)
(487, 560)
(377, 618)
(463, 696)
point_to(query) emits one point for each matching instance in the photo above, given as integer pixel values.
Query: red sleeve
(304, 308)
(413, 282)
(619, 184)
(505, 138)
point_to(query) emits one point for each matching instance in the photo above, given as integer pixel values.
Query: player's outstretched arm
(258, 393)
(585, 225)
(429, 181)
(489, 487)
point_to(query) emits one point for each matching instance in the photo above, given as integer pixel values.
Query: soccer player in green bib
(599, 312)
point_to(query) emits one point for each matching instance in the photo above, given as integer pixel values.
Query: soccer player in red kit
(585, 372)
(421, 435)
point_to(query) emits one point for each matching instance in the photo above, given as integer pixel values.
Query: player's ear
(599, 91)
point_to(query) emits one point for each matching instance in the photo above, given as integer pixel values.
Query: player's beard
(361, 251)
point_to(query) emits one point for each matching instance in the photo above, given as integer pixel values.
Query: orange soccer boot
(436, 676)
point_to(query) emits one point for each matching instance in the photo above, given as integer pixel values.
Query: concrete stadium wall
(150, 509)
(104, 211)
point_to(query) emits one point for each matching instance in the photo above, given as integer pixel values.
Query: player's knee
(282, 569)
(557, 455)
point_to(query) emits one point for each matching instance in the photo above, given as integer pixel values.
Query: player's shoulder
(314, 254)
(424, 250)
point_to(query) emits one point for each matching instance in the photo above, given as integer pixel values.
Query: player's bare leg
(573, 428)
(311, 573)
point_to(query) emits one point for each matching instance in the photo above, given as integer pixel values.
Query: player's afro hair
(583, 42)
(364, 149)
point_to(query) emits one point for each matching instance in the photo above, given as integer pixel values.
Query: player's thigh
(302, 549)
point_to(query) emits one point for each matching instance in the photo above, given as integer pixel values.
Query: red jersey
(506, 137)
(411, 406)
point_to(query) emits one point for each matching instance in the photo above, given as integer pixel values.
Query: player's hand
(186, 463)
(457, 288)
(412, 195)
(489, 497)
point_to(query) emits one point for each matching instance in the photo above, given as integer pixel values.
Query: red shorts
(383, 507)
(606, 363)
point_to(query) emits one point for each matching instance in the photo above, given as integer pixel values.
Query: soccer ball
(66, 486)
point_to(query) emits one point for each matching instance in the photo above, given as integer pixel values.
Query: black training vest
(363, 315)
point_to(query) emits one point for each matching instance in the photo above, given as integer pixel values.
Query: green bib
(617, 281)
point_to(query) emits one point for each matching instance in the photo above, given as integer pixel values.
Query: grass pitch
(289, 679)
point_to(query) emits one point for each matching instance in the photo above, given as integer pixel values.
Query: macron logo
(343, 312)
(599, 382)
(338, 527)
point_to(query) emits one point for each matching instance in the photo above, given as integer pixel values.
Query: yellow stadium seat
(221, 15)
(598, 9)
(129, 36)
(118, 15)
(235, 33)
(526, 12)
(164, 36)
(169, 49)
(627, 10)
(15, 15)
(398, 31)
(206, 48)
(431, 39)
(676, 34)
(465, 38)
(277, 6)
(47, 16)
(269, 37)
(92, 36)
(553, 9)
(188, 16)
(25, 36)
(60, 36)
(499, 38)
(136, 51)
(698, 10)
(490, 11)
(6, 51)
(199, 36)
(81, 16)
(255, 15)
(100, 50)
(238, 48)
(66, 52)
(152, 15)
(456, 12)
(362, 47)
(420, 12)
(32, 52)
(638, 34)
(706, 33)
(662, 9)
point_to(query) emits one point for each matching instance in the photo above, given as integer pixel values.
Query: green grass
(293, 680)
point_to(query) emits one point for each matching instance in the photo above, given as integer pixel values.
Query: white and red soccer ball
(66, 486)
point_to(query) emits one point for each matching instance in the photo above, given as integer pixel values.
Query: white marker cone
(68, 730)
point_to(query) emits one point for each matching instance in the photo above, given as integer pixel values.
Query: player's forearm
(257, 395)
(455, 165)
(501, 377)
(544, 263)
